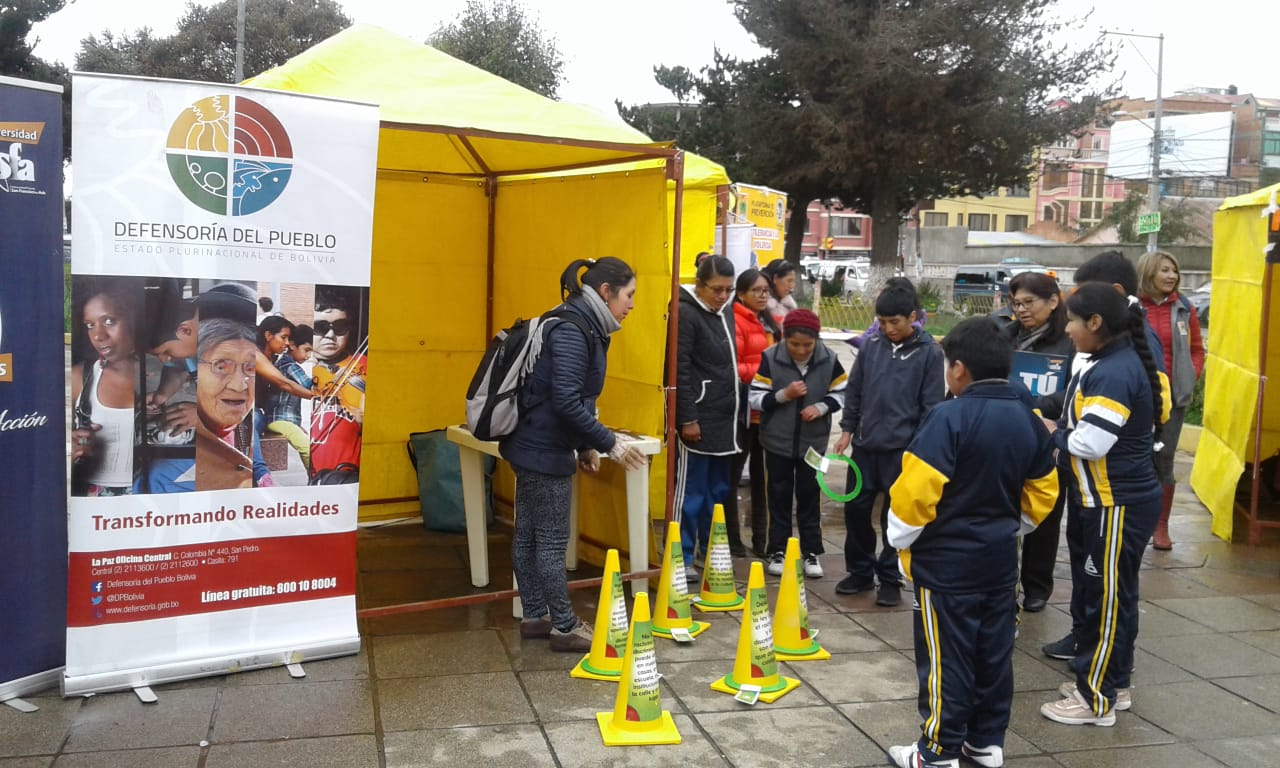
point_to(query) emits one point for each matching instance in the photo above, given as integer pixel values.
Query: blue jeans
(701, 483)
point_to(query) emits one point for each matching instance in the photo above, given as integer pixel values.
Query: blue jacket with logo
(891, 388)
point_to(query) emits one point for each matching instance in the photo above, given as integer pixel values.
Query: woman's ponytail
(1138, 330)
(606, 269)
(570, 281)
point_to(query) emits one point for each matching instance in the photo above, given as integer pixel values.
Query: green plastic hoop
(857, 479)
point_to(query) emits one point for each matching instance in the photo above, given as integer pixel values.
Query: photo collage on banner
(220, 304)
(188, 385)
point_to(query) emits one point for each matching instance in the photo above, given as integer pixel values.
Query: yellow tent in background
(1241, 419)
(472, 228)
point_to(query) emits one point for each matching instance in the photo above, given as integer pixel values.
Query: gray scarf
(600, 310)
(1027, 339)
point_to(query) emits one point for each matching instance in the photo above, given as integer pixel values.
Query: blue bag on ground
(440, 482)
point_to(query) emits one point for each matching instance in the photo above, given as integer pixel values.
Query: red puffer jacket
(753, 339)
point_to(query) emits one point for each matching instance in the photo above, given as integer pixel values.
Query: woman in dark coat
(1040, 322)
(558, 434)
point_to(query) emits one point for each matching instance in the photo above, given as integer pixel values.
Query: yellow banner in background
(766, 210)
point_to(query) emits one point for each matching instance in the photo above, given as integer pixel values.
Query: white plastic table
(471, 452)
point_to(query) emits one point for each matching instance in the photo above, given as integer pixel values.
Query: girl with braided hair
(1105, 441)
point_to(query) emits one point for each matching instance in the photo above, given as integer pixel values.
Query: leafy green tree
(499, 37)
(884, 103)
(1177, 224)
(204, 45)
(17, 59)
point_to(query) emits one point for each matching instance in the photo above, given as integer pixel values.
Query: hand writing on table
(626, 454)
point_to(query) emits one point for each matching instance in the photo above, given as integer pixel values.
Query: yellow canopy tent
(473, 224)
(1241, 413)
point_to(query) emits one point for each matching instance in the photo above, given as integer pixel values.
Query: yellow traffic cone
(792, 639)
(755, 667)
(609, 639)
(719, 593)
(638, 717)
(671, 615)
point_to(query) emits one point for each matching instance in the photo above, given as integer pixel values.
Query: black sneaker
(852, 585)
(1064, 649)
(888, 595)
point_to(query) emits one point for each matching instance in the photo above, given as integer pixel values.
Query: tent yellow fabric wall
(463, 160)
(1232, 360)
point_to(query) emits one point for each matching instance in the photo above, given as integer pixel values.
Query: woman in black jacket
(559, 433)
(1040, 322)
(708, 403)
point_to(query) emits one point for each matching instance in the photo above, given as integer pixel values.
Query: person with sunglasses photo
(337, 420)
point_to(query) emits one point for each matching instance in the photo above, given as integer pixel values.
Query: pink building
(850, 231)
(1072, 186)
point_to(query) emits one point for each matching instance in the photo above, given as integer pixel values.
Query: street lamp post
(239, 71)
(1157, 143)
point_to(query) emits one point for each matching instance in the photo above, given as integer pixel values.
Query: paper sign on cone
(638, 717)
(671, 612)
(719, 592)
(755, 664)
(792, 639)
(609, 639)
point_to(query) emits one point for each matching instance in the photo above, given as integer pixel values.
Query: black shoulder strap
(573, 317)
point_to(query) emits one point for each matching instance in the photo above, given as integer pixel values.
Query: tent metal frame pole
(675, 172)
(1255, 525)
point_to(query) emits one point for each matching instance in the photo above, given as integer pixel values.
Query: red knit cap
(801, 320)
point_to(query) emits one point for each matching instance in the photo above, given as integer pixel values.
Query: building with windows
(1010, 209)
(848, 230)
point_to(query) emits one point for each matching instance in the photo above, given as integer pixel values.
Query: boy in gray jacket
(799, 385)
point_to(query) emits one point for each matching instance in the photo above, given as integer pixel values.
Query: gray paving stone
(359, 751)
(1156, 584)
(839, 633)
(351, 667)
(892, 629)
(493, 746)
(1154, 620)
(1263, 690)
(1033, 671)
(811, 736)
(717, 644)
(443, 653)
(1200, 710)
(37, 733)
(1149, 670)
(1030, 762)
(119, 721)
(691, 682)
(1055, 738)
(851, 677)
(579, 744)
(416, 703)
(26, 762)
(534, 653)
(1225, 614)
(1267, 641)
(1271, 601)
(1212, 655)
(1243, 753)
(1036, 629)
(1235, 582)
(168, 757)
(294, 710)
(1181, 755)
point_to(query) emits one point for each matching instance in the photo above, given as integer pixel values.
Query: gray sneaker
(576, 640)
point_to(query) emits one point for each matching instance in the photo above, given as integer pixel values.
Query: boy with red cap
(799, 385)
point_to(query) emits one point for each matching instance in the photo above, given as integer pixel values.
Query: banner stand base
(10, 691)
(133, 679)
(22, 705)
(296, 671)
(145, 694)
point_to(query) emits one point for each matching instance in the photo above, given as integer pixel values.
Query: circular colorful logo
(229, 155)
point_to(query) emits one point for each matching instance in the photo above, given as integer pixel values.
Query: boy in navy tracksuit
(895, 380)
(979, 473)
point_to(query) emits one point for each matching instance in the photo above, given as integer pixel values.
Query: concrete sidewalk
(460, 687)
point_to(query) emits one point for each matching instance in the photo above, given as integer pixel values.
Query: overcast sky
(611, 46)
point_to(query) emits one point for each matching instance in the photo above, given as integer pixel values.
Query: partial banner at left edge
(33, 506)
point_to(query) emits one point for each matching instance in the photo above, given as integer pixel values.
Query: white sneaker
(910, 757)
(1124, 696)
(776, 560)
(987, 757)
(812, 568)
(1074, 710)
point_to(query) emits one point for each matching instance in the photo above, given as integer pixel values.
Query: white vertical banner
(220, 273)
